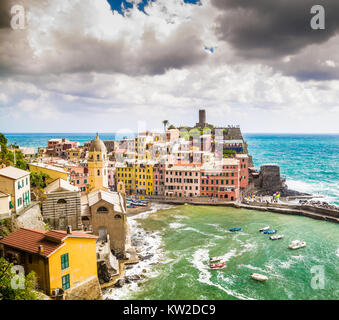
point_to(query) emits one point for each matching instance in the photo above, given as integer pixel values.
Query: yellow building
(126, 175)
(53, 172)
(73, 154)
(61, 260)
(97, 166)
(137, 178)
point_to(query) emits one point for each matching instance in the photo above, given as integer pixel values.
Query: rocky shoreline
(148, 251)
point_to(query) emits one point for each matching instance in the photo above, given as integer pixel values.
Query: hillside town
(71, 228)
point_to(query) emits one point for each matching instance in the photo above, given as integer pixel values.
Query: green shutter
(64, 261)
(66, 282)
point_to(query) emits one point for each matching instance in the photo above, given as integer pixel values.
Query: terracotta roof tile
(29, 240)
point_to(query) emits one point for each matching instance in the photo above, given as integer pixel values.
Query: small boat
(216, 259)
(270, 231)
(259, 277)
(296, 244)
(219, 265)
(235, 229)
(277, 237)
(263, 229)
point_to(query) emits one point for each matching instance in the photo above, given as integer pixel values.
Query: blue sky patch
(116, 4)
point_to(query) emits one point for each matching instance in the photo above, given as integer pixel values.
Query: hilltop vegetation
(7, 156)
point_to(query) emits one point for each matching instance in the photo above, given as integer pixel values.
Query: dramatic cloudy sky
(87, 66)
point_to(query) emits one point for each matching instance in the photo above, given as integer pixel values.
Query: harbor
(205, 229)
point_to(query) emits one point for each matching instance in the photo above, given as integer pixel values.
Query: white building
(16, 182)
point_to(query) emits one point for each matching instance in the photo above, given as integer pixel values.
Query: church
(103, 210)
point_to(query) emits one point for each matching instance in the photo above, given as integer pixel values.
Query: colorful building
(16, 183)
(97, 165)
(5, 205)
(61, 260)
(182, 181)
(53, 172)
(221, 182)
(78, 176)
(125, 172)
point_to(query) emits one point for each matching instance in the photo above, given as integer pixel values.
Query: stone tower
(202, 119)
(97, 166)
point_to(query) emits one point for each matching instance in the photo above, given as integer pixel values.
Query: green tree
(171, 127)
(3, 139)
(38, 180)
(8, 291)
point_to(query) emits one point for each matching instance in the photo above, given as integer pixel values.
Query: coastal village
(72, 230)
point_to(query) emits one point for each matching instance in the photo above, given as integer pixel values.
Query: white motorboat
(216, 259)
(264, 229)
(259, 277)
(296, 244)
(277, 237)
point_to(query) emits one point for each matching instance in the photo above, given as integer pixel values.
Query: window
(66, 282)
(102, 210)
(117, 216)
(61, 201)
(64, 261)
(98, 172)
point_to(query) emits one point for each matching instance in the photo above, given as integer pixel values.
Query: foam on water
(176, 225)
(322, 191)
(149, 244)
(200, 259)
(201, 232)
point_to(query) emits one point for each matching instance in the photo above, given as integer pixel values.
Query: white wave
(323, 191)
(201, 232)
(248, 266)
(179, 217)
(176, 225)
(199, 257)
(149, 244)
(337, 252)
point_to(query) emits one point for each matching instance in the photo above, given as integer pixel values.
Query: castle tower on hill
(97, 166)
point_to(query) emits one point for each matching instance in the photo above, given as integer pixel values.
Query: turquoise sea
(184, 237)
(309, 162)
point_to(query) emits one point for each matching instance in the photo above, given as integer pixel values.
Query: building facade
(16, 183)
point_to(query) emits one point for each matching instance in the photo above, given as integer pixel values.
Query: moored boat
(235, 229)
(215, 259)
(219, 265)
(296, 244)
(277, 237)
(264, 229)
(259, 277)
(270, 231)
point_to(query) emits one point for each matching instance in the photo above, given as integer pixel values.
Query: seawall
(330, 215)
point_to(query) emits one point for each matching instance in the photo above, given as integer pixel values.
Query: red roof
(29, 240)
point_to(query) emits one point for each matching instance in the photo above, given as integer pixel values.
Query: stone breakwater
(307, 210)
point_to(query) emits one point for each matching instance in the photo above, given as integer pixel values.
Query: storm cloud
(278, 33)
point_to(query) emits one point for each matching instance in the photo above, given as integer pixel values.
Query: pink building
(79, 177)
(58, 147)
(182, 181)
(243, 158)
(223, 183)
(159, 171)
(111, 175)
